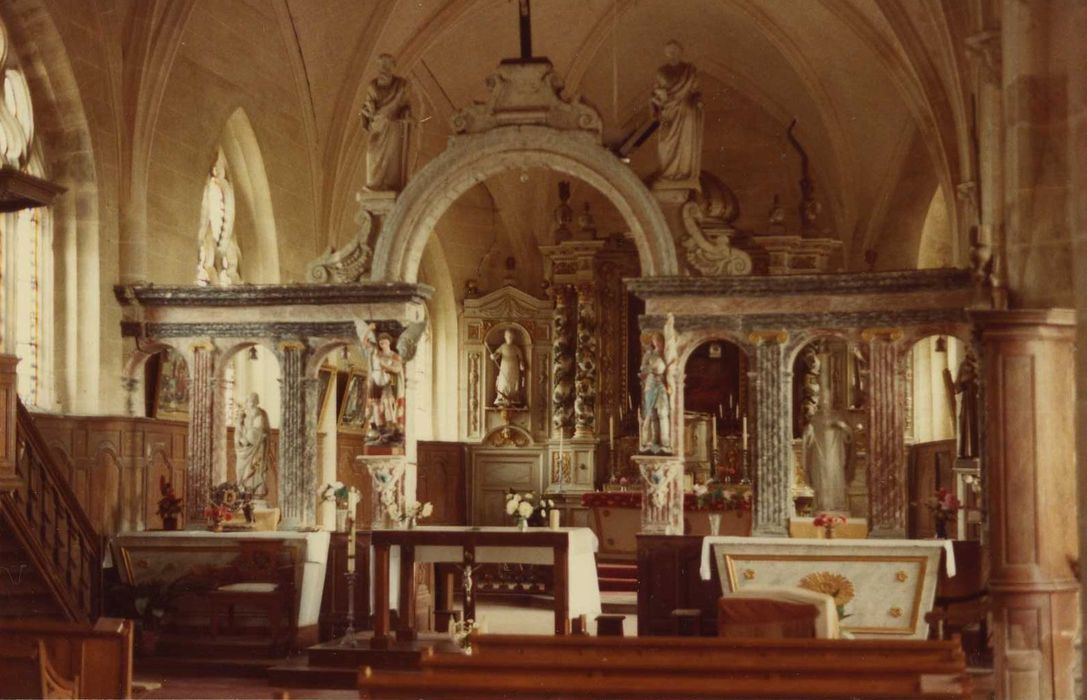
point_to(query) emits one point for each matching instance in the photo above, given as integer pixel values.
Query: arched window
(26, 244)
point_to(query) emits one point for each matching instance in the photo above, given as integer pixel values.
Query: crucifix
(525, 26)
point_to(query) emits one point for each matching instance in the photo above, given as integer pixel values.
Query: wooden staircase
(50, 555)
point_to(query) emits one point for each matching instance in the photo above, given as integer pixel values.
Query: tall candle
(351, 546)
(715, 433)
(611, 432)
(745, 432)
(630, 403)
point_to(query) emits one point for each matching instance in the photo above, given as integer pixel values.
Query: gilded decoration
(835, 585)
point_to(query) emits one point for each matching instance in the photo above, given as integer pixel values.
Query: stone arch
(471, 159)
(260, 263)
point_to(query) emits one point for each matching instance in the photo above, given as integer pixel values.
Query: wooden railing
(56, 532)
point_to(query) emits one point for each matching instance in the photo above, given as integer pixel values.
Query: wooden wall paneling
(442, 480)
(668, 578)
(930, 467)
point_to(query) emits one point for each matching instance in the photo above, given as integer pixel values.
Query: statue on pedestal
(385, 115)
(385, 385)
(511, 371)
(219, 252)
(251, 447)
(827, 439)
(677, 105)
(655, 413)
(966, 383)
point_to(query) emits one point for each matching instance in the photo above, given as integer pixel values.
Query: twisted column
(773, 445)
(198, 474)
(886, 434)
(562, 367)
(585, 378)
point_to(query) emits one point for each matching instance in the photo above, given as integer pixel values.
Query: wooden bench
(27, 673)
(100, 657)
(550, 667)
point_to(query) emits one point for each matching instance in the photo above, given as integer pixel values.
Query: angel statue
(658, 362)
(219, 252)
(511, 372)
(385, 387)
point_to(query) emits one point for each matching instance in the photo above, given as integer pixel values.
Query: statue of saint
(219, 252)
(511, 371)
(677, 105)
(966, 383)
(251, 447)
(385, 115)
(655, 422)
(826, 441)
(385, 384)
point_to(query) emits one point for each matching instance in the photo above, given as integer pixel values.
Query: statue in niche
(251, 447)
(219, 252)
(826, 441)
(384, 411)
(564, 214)
(385, 114)
(509, 386)
(655, 413)
(677, 105)
(966, 383)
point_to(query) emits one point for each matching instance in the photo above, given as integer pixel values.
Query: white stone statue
(677, 105)
(251, 447)
(509, 385)
(219, 252)
(385, 383)
(385, 115)
(827, 439)
(16, 113)
(655, 414)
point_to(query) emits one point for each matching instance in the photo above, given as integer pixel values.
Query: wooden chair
(27, 673)
(262, 576)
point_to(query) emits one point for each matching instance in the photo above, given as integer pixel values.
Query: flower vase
(941, 529)
(412, 523)
(169, 522)
(715, 524)
(341, 520)
(522, 524)
(828, 531)
(215, 525)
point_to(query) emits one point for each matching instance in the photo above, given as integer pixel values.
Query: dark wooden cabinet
(668, 579)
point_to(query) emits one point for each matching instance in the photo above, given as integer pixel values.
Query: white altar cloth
(581, 562)
(169, 554)
(883, 587)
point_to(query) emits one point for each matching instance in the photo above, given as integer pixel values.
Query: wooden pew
(27, 673)
(549, 667)
(100, 657)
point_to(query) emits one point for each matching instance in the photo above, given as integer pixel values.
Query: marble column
(773, 441)
(562, 366)
(585, 357)
(1029, 408)
(886, 435)
(297, 480)
(662, 494)
(198, 475)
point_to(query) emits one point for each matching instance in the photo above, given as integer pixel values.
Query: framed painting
(353, 409)
(326, 380)
(172, 387)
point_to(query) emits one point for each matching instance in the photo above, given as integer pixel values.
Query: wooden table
(569, 551)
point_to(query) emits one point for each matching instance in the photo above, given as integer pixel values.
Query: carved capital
(768, 336)
(984, 49)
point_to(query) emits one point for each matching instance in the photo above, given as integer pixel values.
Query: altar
(166, 556)
(882, 588)
(570, 551)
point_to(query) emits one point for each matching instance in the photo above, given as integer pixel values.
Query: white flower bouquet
(410, 513)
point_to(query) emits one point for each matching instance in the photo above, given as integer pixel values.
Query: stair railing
(66, 543)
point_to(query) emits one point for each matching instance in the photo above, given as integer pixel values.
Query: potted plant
(169, 505)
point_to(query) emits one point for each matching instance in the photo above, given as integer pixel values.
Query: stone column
(562, 366)
(773, 444)
(662, 494)
(1029, 402)
(198, 477)
(886, 435)
(387, 486)
(297, 480)
(585, 377)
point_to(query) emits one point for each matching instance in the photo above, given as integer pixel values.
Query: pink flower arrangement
(944, 505)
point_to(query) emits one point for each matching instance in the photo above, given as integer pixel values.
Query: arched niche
(830, 425)
(398, 251)
(716, 401)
